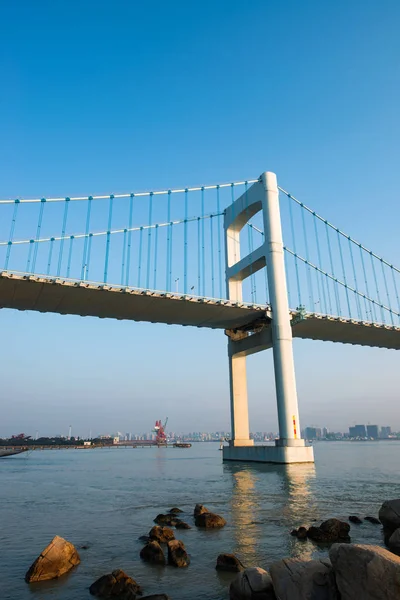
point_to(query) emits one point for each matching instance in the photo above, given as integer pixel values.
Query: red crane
(159, 428)
(20, 436)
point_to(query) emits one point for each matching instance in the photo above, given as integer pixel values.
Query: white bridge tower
(290, 447)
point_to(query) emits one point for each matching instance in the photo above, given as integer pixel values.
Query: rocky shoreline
(352, 571)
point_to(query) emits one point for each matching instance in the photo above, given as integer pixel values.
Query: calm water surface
(107, 498)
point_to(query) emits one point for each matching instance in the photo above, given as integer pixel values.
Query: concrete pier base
(269, 454)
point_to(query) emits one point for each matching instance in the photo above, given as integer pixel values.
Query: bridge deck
(46, 294)
(68, 297)
(347, 331)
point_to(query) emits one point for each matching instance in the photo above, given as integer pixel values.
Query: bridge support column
(282, 344)
(290, 447)
(239, 403)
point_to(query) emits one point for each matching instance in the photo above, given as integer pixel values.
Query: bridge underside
(346, 331)
(322, 328)
(67, 297)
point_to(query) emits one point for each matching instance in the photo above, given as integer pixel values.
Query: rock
(144, 538)
(115, 584)
(229, 562)
(330, 531)
(252, 584)
(56, 559)
(295, 579)
(161, 535)
(355, 519)
(199, 509)
(181, 525)
(175, 510)
(84, 547)
(177, 555)
(209, 520)
(152, 552)
(394, 542)
(387, 534)
(373, 520)
(300, 533)
(165, 520)
(389, 514)
(365, 572)
(156, 597)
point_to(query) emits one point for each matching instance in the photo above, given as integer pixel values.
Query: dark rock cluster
(332, 530)
(162, 534)
(352, 570)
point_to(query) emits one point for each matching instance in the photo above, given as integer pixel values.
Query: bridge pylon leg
(239, 402)
(290, 447)
(282, 344)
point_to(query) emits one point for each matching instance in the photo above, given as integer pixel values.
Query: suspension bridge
(246, 257)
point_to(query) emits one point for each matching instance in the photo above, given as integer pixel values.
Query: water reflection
(267, 502)
(161, 461)
(300, 506)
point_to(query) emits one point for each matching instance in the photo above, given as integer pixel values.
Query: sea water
(106, 499)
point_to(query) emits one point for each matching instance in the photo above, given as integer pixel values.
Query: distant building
(312, 433)
(372, 431)
(325, 432)
(358, 431)
(385, 431)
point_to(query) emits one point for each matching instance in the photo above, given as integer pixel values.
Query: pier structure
(290, 447)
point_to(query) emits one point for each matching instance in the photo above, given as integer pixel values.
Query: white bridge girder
(47, 294)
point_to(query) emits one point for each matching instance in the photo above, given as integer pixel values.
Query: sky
(101, 97)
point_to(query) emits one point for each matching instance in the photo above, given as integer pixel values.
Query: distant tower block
(70, 432)
(289, 448)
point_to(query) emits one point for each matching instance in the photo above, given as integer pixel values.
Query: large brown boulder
(295, 579)
(177, 555)
(252, 584)
(389, 514)
(229, 562)
(199, 509)
(56, 559)
(152, 552)
(330, 531)
(209, 520)
(165, 520)
(116, 584)
(162, 535)
(365, 572)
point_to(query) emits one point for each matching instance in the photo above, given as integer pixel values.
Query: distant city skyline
(309, 432)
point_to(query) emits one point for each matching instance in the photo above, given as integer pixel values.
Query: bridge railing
(331, 273)
(170, 240)
(173, 241)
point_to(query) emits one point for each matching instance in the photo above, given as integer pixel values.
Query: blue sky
(102, 97)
